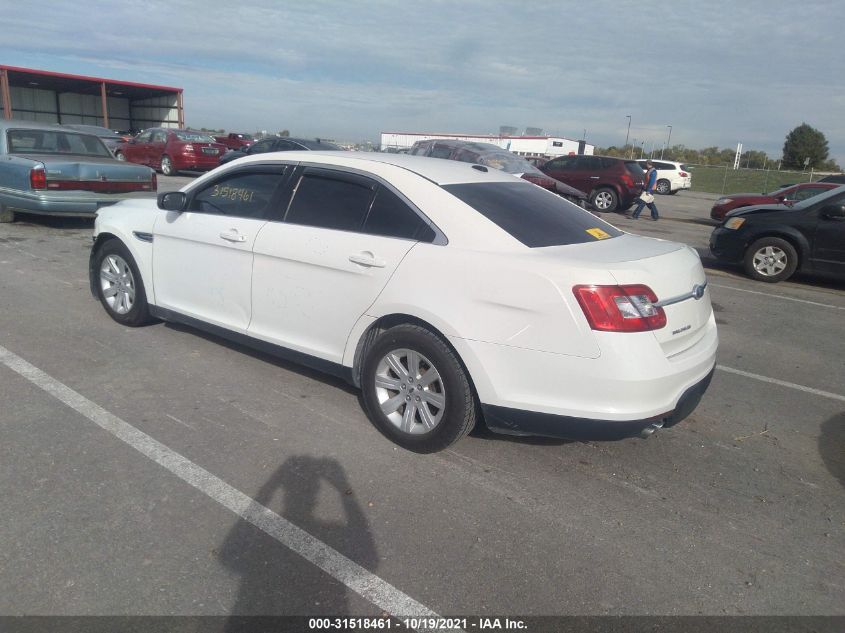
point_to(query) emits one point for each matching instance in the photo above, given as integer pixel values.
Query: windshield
(197, 137)
(803, 204)
(507, 162)
(55, 142)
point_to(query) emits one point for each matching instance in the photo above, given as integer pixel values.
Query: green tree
(802, 143)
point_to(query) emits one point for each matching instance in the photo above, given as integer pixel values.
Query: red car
(613, 184)
(172, 150)
(786, 195)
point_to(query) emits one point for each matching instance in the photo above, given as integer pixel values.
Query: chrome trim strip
(697, 292)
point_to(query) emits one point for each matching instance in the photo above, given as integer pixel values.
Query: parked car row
(489, 155)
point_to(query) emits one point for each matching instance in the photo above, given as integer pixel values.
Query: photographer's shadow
(274, 579)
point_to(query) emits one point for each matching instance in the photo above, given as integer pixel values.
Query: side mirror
(172, 201)
(833, 211)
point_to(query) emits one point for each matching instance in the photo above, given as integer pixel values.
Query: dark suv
(774, 240)
(494, 156)
(611, 183)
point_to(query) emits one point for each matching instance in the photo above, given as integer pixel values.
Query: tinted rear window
(320, 145)
(532, 215)
(635, 168)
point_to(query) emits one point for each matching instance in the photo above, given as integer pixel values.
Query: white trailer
(529, 146)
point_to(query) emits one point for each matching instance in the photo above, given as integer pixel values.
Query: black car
(773, 241)
(279, 144)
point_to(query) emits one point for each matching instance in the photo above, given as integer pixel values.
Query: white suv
(671, 176)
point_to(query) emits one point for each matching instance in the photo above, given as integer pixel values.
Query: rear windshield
(635, 168)
(532, 215)
(54, 142)
(320, 145)
(195, 136)
(685, 168)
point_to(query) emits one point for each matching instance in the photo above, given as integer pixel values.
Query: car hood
(90, 168)
(758, 208)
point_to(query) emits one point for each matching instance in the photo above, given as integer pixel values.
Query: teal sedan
(53, 170)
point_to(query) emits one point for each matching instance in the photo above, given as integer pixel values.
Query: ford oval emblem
(698, 291)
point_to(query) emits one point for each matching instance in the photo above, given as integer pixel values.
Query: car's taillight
(38, 177)
(626, 178)
(154, 182)
(620, 308)
(684, 174)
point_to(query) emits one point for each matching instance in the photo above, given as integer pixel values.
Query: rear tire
(605, 199)
(770, 259)
(416, 391)
(119, 285)
(167, 166)
(6, 214)
(663, 187)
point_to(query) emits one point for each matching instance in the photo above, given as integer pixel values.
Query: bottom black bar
(531, 624)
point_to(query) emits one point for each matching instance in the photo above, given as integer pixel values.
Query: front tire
(770, 259)
(416, 391)
(605, 199)
(663, 187)
(119, 285)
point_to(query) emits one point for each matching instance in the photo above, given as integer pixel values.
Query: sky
(719, 72)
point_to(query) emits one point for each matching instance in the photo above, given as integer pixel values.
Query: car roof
(437, 170)
(11, 124)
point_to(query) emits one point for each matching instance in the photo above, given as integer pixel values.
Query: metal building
(528, 146)
(40, 95)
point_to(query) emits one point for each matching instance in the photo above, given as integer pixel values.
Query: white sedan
(449, 293)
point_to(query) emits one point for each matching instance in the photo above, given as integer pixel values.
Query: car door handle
(367, 259)
(233, 236)
(594, 177)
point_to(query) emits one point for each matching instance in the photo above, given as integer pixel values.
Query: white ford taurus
(447, 292)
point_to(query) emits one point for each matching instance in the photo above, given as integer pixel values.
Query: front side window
(533, 216)
(392, 217)
(440, 151)
(144, 137)
(242, 194)
(808, 192)
(159, 137)
(330, 202)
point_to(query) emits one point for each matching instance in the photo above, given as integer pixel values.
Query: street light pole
(667, 140)
(627, 116)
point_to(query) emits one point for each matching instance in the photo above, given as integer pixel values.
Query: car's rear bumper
(196, 163)
(65, 204)
(521, 422)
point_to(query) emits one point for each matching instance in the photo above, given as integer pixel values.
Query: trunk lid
(92, 169)
(672, 270)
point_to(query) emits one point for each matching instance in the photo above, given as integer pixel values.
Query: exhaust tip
(649, 430)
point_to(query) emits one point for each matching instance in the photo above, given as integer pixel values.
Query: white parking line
(782, 383)
(767, 294)
(366, 584)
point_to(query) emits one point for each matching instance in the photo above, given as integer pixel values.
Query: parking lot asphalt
(103, 429)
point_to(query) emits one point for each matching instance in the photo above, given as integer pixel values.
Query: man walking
(647, 196)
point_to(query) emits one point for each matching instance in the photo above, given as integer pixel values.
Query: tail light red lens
(620, 308)
(38, 178)
(626, 178)
(155, 182)
(684, 174)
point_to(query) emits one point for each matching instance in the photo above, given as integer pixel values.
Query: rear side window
(441, 151)
(330, 203)
(533, 216)
(391, 217)
(634, 168)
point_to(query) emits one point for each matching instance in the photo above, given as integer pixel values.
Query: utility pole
(628, 116)
(667, 140)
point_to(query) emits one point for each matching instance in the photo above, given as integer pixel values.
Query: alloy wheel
(117, 284)
(410, 391)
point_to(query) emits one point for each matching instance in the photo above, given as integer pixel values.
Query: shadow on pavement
(274, 579)
(832, 446)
